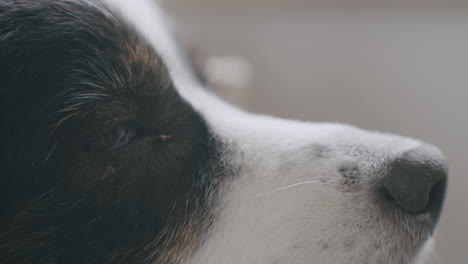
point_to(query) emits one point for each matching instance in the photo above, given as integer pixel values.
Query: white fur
(287, 202)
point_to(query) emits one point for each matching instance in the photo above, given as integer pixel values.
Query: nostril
(436, 199)
(416, 184)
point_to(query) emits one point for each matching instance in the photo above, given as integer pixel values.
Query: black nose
(417, 182)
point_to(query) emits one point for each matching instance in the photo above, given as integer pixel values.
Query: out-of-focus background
(399, 66)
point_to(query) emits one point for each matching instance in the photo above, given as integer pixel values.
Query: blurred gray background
(394, 66)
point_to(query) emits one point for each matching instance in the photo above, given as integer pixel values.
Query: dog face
(112, 153)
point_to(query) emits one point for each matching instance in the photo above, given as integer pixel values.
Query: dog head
(113, 153)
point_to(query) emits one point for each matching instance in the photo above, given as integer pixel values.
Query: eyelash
(119, 137)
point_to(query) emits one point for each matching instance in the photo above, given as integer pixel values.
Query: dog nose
(417, 182)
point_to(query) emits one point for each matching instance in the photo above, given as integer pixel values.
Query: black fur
(101, 160)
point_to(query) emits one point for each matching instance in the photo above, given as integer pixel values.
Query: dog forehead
(155, 26)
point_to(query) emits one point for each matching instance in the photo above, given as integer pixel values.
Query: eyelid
(120, 136)
(113, 139)
(124, 135)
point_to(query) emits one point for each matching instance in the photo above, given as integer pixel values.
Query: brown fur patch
(181, 243)
(138, 54)
(108, 172)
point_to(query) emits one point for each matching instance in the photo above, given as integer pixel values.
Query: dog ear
(31, 51)
(39, 42)
(37, 39)
(30, 54)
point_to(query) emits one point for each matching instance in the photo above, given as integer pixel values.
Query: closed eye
(119, 137)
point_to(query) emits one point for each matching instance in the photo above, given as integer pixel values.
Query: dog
(113, 151)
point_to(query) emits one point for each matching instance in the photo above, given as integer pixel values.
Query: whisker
(287, 187)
